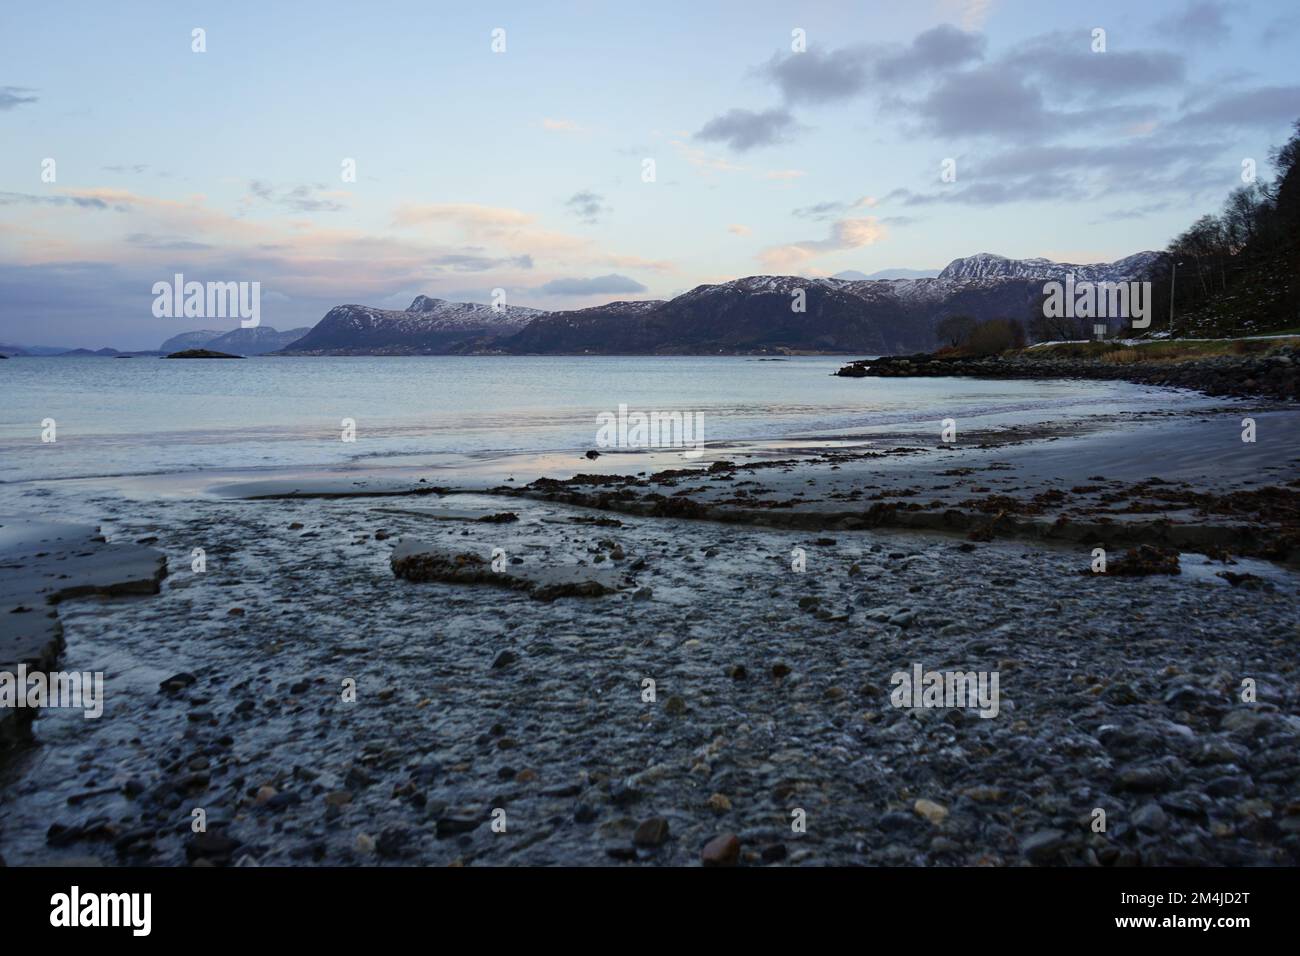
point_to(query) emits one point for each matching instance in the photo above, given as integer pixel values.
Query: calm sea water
(150, 416)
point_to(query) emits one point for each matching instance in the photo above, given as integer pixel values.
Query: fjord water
(147, 416)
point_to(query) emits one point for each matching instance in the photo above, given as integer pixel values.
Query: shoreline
(1273, 372)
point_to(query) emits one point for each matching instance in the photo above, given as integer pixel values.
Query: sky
(511, 145)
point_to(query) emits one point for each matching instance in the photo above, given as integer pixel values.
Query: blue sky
(522, 169)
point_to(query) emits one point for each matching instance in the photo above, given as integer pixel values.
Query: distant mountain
(749, 315)
(255, 341)
(99, 353)
(39, 350)
(427, 327)
(854, 275)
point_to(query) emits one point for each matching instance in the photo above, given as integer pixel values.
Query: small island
(201, 354)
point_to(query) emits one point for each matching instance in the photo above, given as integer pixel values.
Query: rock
(421, 561)
(722, 850)
(719, 802)
(1146, 778)
(936, 813)
(452, 826)
(780, 670)
(1244, 722)
(774, 853)
(212, 845)
(1150, 817)
(1121, 694)
(177, 682)
(1043, 846)
(504, 659)
(394, 842)
(651, 833)
(1143, 560)
(201, 354)
(675, 705)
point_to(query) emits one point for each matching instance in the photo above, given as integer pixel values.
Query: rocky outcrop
(43, 563)
(1275, 374)
(201, 354)
(417, 560)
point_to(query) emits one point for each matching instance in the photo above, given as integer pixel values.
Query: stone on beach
(421, 561)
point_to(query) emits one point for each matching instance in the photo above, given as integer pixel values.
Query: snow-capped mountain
(428, 326)
(986, 265)
(750, 314)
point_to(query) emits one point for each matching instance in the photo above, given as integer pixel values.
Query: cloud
(818, 211)
(1035, 172)
(1066, 64)
(985, 101)
(458, 262)
(84, 202)
(1263, 106)
(137, 168)
(297, 198)
(816, 77)
(1201, 21)
(736, 229)
(587, 206)
(561, 125)
(941, 48)
(603, 285)
(1275, 31)
(829, 210)
(470, 216)
(12, 97)
(165, 242)
(844, 234)
(744, 129)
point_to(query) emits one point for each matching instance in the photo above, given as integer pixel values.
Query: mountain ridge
(750, 314)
